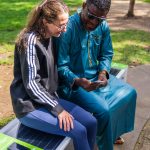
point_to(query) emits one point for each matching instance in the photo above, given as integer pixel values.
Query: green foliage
(5, 120)
(73, 5)
(147, 1)
(131, 46)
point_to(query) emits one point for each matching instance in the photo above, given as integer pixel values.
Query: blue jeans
(85, 125)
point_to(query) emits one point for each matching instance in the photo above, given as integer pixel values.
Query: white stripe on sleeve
(33, 72)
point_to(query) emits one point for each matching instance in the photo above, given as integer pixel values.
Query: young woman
(33, 90)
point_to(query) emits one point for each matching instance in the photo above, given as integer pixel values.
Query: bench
(34, 137)
(37, 140)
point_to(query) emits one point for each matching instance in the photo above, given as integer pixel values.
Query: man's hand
(102, 77)
(87, 84)
(65, 121)
(83, 82)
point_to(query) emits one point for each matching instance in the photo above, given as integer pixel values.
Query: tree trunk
(131, 9)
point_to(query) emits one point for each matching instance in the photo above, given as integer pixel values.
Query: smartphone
(16, 146)
(98, 81)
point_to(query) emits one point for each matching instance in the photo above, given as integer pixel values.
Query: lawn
(130, 46)
(13, 18)
(147, 1)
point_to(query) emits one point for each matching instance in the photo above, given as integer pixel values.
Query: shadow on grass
(131, 47)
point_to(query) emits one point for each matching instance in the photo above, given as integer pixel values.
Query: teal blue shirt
(82, 53)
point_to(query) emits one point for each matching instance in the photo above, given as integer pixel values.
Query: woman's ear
(44, 21)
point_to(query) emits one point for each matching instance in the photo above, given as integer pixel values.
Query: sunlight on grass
(5, 120)
(131, 46)
(7, 61)
(5, 48)
(13, 18)
(73, 5)
(13, 14)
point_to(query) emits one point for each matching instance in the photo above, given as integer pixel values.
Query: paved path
(144, 138)
(139, 77)
(119, 9)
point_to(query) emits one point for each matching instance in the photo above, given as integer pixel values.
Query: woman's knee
(93, 121)
(79, 131)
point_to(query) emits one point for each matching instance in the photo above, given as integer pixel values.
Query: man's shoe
(119, 141)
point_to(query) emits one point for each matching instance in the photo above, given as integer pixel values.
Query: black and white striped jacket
(35, 77)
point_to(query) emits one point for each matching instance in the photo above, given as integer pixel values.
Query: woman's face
(58, 26)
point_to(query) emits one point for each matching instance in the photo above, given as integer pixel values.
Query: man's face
(92, 16)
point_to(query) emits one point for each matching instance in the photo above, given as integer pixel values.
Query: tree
(131, 9)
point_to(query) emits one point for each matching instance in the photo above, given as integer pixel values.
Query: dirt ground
(116, 20)
(6, 76)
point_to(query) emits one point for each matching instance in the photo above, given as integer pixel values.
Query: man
(84, 60)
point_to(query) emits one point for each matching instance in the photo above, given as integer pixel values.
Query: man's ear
(84, 5)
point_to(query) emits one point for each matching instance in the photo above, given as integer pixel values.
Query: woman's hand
(65, 121)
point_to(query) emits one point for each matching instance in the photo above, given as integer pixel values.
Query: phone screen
(16, 146)
(98, 81)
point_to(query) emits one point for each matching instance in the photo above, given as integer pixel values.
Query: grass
(4, 121)
(12, 16)
(147, 1)
(13, 19)
(131, 47)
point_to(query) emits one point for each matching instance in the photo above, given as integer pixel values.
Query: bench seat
(40, 139)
